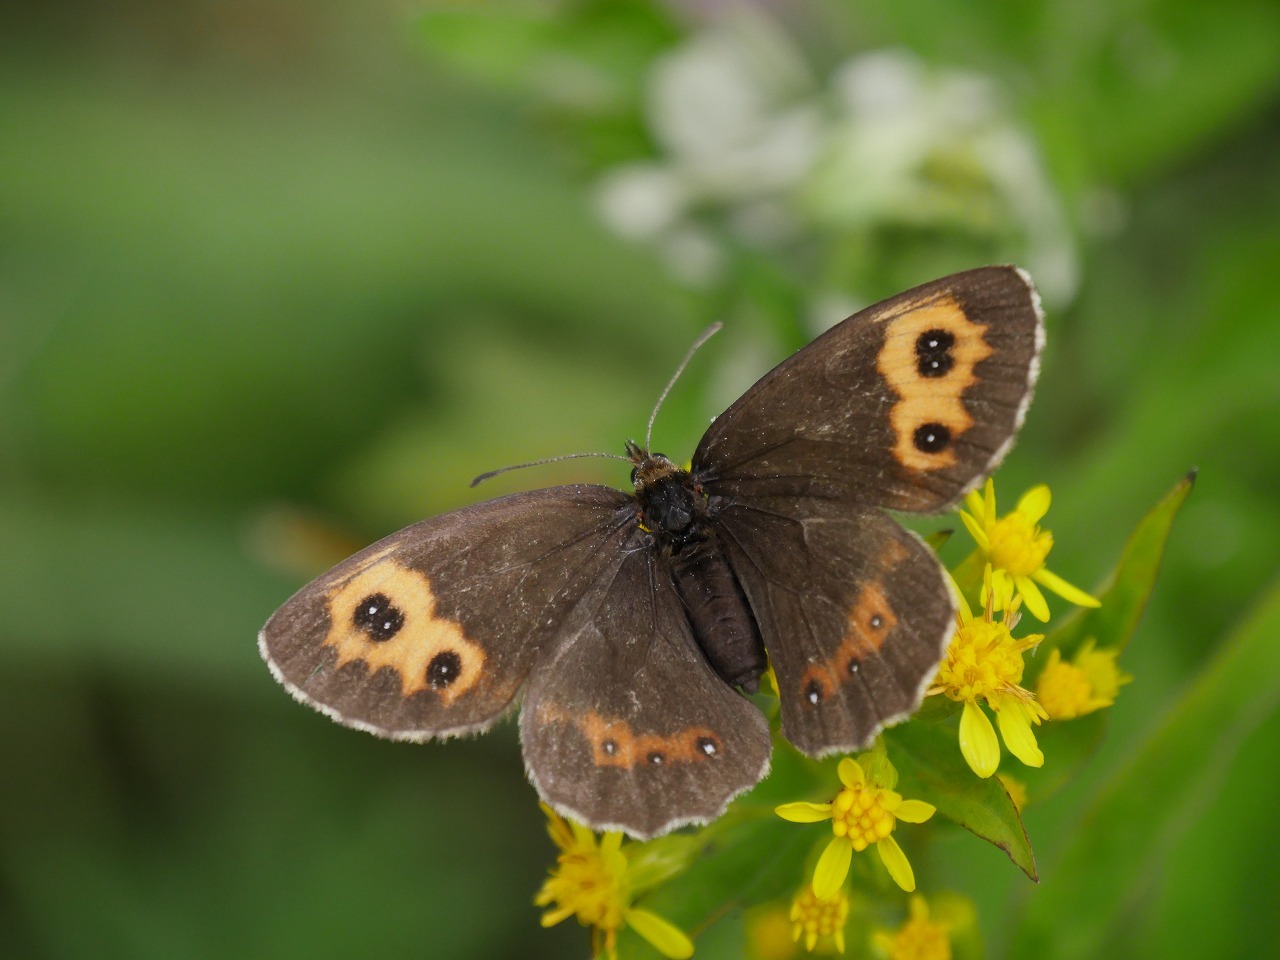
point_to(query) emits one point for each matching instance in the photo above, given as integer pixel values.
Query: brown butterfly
(632, 621)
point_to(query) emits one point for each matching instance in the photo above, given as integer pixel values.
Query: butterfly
(629, 625)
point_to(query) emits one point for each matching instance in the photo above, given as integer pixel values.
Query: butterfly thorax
(675, 511)
(672, 506)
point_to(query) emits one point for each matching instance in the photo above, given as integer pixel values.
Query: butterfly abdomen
(674, 511)
(722, 621)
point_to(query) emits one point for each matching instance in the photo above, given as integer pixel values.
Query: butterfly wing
(624, 725)
(854, 611)
(431, 631)
(906, 404)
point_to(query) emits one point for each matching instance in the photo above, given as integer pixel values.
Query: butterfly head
(649, 469)
(671, 503)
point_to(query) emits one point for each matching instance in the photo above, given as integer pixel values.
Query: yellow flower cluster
(819, 920)
(862, 813)
(919, 938)
(592, 881)
(984, 663)
(1016, 548)
(1087, 682)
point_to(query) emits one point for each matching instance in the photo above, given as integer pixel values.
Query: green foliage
(317, 263)
(1164, 792)
(933, 769)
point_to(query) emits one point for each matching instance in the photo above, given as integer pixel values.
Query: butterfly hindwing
(625, 725)
(905, 405)
(431, 631)
(854, 611)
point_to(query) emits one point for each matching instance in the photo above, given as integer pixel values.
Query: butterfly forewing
(431, 631)
(906, 404)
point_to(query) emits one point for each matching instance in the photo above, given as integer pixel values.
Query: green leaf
(1125, 593)
(1159, 798)
(930, 767)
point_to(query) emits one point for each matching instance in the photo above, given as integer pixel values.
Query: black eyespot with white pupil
(708, 746)
(931, 438)
(444, 669)
(877, 621)
(813, 692)
(656, 759)
(933, 353)
(377, 617)
(610, 747)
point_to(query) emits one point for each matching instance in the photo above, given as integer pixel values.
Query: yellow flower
(819, 920)
(863, 813)
(593, 881)
(919, 938)
(984, 662)
(1016, 548)
(1089, 682)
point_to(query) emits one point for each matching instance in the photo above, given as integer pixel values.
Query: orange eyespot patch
(385, 616)
(929, 356)
(615, 744)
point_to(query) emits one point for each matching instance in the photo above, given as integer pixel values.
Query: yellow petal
(896, 863)
(978, 740)
(975, 530)
(851, 773)
(915, 811)
(1035, 504)
(1000, 589)
(961, 603)
(1015, 728)
(973, 500)
(832, 868)
(552, 917)
(1051, 581)
(802, 812)
(668, 939)
(989, 499)
(1037, 606)
(581, 834)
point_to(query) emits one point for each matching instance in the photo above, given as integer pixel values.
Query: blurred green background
(277, 278)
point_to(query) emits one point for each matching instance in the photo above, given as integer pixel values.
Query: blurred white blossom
(756, 150)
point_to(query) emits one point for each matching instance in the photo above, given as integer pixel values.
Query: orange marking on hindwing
(925, 400)
(868, 623)
(870, 620)
(429, 652)
(615, 744)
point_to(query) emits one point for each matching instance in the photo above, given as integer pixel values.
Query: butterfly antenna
(706, 335)
(538, 463)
